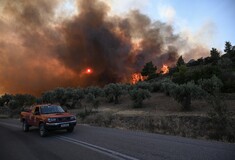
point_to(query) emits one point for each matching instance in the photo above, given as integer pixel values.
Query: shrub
(85, 113)
(156, 86)
(144, 85)
(93, 100)
(95, 91)
(220, 120)
(185, 92)
(59, 96)
(180, 76)
(225, 63)
(114, 91)
(167, 86)
(138, 96)
(212, 85)
(48, 97)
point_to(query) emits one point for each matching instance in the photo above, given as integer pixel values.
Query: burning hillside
(39, 52)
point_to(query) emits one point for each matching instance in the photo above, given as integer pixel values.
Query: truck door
(36, 116)
(31, 117)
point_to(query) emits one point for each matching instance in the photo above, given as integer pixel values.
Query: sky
(48, 44)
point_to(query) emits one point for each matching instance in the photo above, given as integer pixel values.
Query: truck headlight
(73, 118)
(51, 119)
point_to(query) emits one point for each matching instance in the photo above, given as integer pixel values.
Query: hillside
(194, 99)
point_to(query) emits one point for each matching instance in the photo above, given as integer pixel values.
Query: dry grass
(158, 104)
(159, 114)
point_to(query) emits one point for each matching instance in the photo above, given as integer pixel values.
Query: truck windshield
(51, 109)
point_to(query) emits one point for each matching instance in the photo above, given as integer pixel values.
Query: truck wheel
(42, 130)
(25, 126)
(70, 130)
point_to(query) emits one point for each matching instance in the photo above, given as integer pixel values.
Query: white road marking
(96, 148)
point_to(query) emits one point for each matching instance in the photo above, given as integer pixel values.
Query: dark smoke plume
(38, 52)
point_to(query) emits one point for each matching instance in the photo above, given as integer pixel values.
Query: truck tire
(25, 126)
(42, 130)
(70, 130)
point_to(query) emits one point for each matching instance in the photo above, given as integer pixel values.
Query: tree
(59, 94)
(77, 96)
(5, 99)
(149, 70)
(185, 92)
(212, 85)
(48, 97)
(167, 86)
(96, 91)
(95, 102)
(144, 85)
(215, 55)
(228, 47)
(113, 92)
(180, 76)
(18, 101)
(225, 63)
(138, 96)
(180, 61)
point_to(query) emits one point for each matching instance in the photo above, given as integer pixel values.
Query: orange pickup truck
(47, 117)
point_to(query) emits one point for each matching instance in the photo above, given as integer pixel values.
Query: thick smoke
(38, 52)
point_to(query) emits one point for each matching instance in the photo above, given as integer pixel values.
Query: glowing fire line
(164, 69)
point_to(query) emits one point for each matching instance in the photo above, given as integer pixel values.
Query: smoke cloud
(39, 52)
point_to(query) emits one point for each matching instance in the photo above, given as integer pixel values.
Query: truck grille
(63, 119)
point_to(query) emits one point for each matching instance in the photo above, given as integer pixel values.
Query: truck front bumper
(60, 125)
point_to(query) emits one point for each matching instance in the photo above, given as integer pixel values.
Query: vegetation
(220, 120)
(184, 93)
(149, 70)
(204, 78)
(114, 91)
(180, 62)
(138, 96)
(212, 85)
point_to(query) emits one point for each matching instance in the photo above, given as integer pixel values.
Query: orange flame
(164, 69)
(136, 77)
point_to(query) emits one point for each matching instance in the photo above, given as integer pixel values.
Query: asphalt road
(88, 143)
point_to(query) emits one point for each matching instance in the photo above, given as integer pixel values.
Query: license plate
(64, 125)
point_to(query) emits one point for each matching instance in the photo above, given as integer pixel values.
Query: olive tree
(138, 96)
(113, 91)
(95, 91)
(211, 85)
(184, 93)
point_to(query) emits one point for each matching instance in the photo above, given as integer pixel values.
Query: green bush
(212, 85)
(48, 97)
(95, 102)
(156, 86)
(180, 76)
(113, 92)
(184, 93)
(95, 91)
(144, 85)
(138, 96)
(220, 120)
(167, 86)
